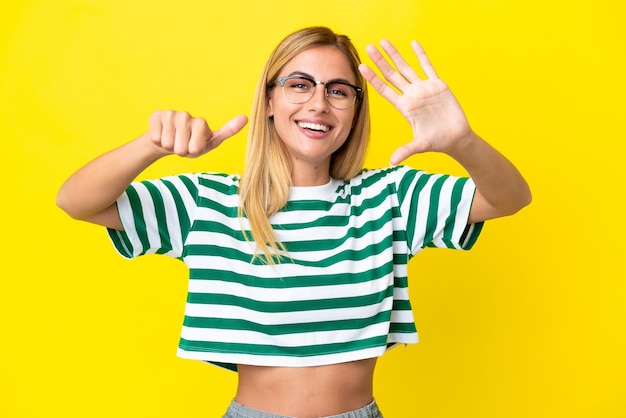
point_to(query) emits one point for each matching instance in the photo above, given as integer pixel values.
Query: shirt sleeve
(436, 210)
(156, 216)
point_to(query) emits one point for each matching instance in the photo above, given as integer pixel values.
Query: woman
(298, 270)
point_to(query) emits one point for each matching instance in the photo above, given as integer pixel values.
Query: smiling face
(313, 131)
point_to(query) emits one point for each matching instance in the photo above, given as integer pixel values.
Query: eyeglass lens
(300, 90)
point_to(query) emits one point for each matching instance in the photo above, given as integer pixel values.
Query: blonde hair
(267, 175)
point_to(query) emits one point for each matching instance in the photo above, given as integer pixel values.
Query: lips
(317, 127)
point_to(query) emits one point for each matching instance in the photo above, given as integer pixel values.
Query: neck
(304, 175)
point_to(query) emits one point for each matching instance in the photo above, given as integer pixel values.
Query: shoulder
(388, 175)
(215, 176)
(195, 185)
(214, 181)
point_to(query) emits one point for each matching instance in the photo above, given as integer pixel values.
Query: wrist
(150, 151)
(464, 146)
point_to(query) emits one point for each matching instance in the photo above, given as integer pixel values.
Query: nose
(319, 101)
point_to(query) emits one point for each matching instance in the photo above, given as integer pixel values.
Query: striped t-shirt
(339, 294)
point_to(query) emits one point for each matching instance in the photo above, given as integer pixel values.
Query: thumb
(229, 129)
(405, 151)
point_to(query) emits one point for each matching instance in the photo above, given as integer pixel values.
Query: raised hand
(181, 134)
(91, 192)
(438, 122)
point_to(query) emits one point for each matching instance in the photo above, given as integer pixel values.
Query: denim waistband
(236, 410)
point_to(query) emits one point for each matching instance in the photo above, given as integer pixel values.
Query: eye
(339, 90)
(299, 84)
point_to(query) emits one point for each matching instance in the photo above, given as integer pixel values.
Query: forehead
(322, 62)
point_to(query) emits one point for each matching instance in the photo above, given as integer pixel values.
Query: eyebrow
(306, 75)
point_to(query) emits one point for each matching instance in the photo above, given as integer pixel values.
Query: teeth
(314, 126)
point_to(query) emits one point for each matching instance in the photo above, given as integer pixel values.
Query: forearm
(97, 185)
(90, 193)
(501, 189)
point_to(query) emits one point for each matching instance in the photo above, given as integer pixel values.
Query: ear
(269, 108)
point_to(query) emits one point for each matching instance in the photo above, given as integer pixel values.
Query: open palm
(437, 120)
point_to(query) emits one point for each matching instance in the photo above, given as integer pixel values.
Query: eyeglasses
(299, 89)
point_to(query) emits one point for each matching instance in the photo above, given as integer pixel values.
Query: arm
(90, 194)
(500, 188)
(439, 124)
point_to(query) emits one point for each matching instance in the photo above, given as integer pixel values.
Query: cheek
(277, 108)
(354, 118)
(350, 121)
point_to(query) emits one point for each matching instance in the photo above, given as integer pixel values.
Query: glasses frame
(281, 81)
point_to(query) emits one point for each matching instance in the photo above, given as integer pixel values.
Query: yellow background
(531, 323)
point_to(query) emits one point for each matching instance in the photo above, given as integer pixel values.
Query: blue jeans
(236, 410)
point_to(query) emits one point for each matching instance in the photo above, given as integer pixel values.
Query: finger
(379, 85)
(182, 134)
(199, 132)
(229, 129)
(168, 130)
(385, 68)
(155, 128)
(403, 67)
(427, 67)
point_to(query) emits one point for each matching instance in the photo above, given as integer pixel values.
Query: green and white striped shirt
(340, 294)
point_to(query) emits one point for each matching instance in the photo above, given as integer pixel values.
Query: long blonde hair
(267, 175)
